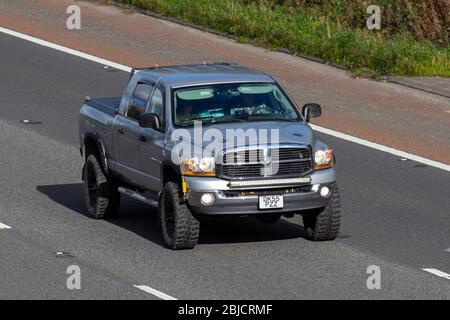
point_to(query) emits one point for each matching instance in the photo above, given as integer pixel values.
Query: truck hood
(288, 132)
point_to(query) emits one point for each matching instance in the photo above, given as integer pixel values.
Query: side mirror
(311, 110)
(149, 120)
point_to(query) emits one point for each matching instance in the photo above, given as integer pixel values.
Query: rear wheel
(101, 196)
(180, 229)
(323, 225)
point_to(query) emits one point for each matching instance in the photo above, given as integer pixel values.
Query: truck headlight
(203, 167)
(323, 159)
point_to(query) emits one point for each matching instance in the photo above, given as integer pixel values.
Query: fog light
(207, 199)
(324, 191)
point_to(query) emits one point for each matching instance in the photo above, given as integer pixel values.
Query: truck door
(152, 143)
(128, 137)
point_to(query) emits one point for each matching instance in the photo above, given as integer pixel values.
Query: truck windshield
(236, 102)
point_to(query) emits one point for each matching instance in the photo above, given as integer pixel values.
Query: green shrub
(414, 39)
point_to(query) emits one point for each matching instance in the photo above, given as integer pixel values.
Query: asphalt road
(377, 111)
(396, 213)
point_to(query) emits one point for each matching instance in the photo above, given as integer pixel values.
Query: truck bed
(107, 105)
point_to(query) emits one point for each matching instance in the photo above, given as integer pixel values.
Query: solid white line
(155, 292)
(438, 273)
(4, 226)
(337, 134)
(65, 49)
(383, 148)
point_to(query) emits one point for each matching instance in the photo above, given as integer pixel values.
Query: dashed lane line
(438, 273)
(155, 292)
(4, 226)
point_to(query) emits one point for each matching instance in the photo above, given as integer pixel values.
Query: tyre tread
(325, 225)
(187, 227)
(108, 197)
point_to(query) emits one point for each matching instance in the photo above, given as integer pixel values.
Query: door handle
(121, 131)
(142, 138)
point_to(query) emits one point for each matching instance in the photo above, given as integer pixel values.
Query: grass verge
(306, 30)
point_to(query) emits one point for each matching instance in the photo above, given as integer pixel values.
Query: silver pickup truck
(205, 141)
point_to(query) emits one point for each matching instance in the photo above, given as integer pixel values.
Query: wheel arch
(170, 172)
(92, 144)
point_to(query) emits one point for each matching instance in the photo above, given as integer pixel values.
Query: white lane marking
(155, 292)
(383, 148)
(337, 134)
(4, 226)
(65, 49)
(448, 250)
(438, 273)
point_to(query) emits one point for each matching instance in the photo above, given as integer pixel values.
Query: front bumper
(228, 203)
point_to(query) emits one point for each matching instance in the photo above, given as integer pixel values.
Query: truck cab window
(139, 100)
(156, 105)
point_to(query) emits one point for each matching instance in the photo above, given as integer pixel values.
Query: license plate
(271, 202)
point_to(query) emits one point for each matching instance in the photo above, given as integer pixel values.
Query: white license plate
(271, 202)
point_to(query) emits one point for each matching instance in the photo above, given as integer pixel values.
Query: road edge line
(381, 147)
(330, 132)
(70, 51)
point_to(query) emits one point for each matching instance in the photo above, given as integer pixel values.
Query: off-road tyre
(324, 224)
(180, 229)
(101, 196)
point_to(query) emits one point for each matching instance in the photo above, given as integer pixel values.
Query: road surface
(396, 213)
(386, 113)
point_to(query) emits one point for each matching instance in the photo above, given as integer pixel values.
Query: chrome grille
(254, 163)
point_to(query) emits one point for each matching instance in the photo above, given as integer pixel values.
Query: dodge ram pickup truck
(206, 141)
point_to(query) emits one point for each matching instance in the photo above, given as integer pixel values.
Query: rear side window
(139, 100)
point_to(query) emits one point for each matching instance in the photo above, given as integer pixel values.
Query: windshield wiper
(249, 117)
(190, 122)
(210, 120)
(285, 119)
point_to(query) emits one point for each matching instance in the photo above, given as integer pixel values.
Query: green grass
(306, 29)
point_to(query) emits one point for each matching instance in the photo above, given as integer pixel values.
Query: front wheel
(180, 229)
(324, 224)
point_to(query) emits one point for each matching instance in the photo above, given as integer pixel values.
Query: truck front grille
(256, 163)
(265, 192)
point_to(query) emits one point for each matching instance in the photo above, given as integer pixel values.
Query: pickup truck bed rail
(107, 105)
